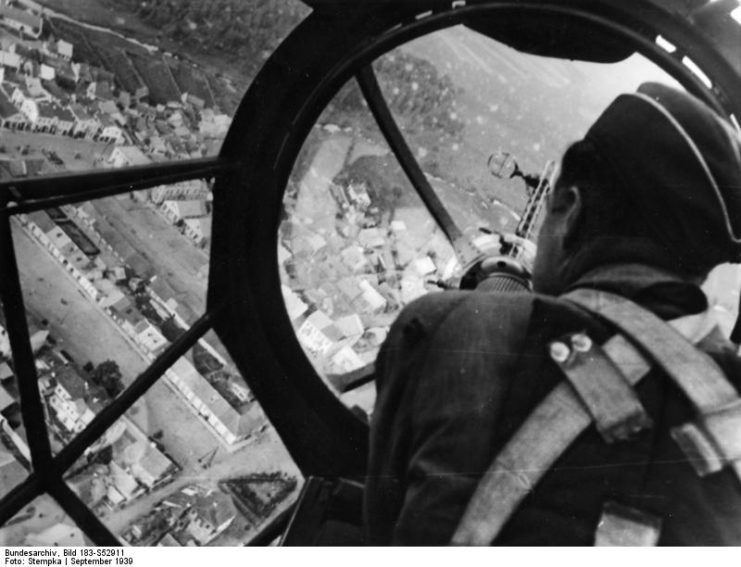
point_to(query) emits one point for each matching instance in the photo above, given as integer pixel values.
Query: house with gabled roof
(85, 124)
(63, 119)
(153, 467)
(233, 424)
(24, 21)
(11, 60)
(82, 73)
(64, 49)
(123, 481)
(175, 211)
(149, 337)
(68, 400)
(47, 72)
(110, 131)
(10, 116)
(36, 90)
(193, 100)
(212, 124)
(198, 230)
(125, 156)
(58, 94)
(157, 145)
(64, 73)
(126, 314)
(100, 90)
(210, 516)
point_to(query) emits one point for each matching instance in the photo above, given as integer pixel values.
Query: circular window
(371, 173)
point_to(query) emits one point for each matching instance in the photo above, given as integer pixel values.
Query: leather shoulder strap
(693, 371)
(713, 440)
(549, 430)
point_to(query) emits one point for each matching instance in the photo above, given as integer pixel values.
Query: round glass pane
(356, 243)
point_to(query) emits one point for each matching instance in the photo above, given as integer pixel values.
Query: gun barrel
(535, 202)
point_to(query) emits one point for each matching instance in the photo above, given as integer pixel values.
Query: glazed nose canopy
(681, 166)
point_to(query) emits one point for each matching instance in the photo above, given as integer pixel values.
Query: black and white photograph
(368, 273)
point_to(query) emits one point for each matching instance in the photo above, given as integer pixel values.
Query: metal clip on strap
(609, 397)
(713, 441)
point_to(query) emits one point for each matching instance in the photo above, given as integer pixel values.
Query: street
(131, 227)
(265, 453)
(87, 334)
(85, 331)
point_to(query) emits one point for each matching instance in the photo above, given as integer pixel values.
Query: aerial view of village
(109, 284)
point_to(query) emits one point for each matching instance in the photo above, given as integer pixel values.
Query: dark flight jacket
(461, 371)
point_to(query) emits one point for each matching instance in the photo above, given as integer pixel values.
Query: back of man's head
(659, 167)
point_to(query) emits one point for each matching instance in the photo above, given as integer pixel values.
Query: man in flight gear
(582, 413)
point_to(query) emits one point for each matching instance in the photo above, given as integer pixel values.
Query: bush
(108, 375)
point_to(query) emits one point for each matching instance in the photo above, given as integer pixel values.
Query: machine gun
(538, 188)
(506, 271)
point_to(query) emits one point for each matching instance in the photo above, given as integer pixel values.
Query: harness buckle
(624, 526)
(713, 440)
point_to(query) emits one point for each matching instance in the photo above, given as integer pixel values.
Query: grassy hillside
(211, 33)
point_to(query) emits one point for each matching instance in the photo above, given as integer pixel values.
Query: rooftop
(56, 91)
(106, 120)
(132, 154)
(238, 423)
(203, 224)
(24, 51)
(188, 209)
(101, 89)
(21, 16)
(215, 508)
(71, 381)
(10, 59)
(7, 108)
(125, 309)
(155, 462)
(123, 481)
(55, 111)
(64, 48)
(107, 107)
(80, 112)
